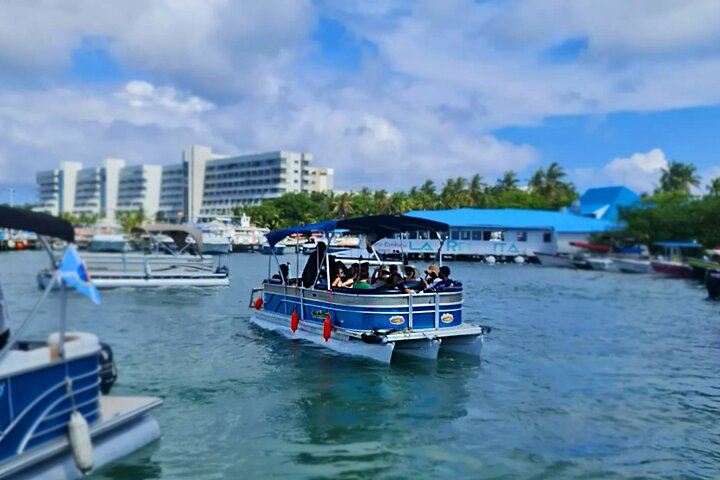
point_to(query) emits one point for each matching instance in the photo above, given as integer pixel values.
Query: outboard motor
(223, 269)
(108, 371)
(712, 282)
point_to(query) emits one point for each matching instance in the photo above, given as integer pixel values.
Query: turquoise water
(585, 375)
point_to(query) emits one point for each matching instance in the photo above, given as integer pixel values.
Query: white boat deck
(120, 430)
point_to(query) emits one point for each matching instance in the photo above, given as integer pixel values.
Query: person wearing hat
(432, 277)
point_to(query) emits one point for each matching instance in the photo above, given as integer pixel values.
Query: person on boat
(395, 274)
(313, 265)
(4, 321)
(343, 277)
(445, 280)
(283, 274)
(432, 277)
(363, 277)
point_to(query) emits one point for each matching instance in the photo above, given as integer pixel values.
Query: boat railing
(367, 300)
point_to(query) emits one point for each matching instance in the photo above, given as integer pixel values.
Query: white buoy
(490, 259)
(81, 442)
(519, 259)
(10, 244)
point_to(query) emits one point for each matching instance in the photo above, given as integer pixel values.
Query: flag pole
(63, 319)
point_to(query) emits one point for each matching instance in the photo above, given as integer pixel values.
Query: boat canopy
(177, 232)
(40, 223)
(591, 246)
(679, 244)
(380, 225)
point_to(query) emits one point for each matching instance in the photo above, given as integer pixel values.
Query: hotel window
(547, 237)
(464, 234)
(424, 235)
(522, 236)
(454, 234)
(487, 236)
(412, 235)
(477, 235)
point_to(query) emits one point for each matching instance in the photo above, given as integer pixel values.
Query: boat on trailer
(178, 263)
(370, 323)
(56, 417)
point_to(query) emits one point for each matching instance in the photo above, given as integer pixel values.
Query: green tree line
(546, 190)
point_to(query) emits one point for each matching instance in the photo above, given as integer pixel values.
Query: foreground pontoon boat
(56, 420)
(372, 323)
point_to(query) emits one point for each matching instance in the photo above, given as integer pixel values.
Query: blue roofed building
(604, 202)
(499, 232)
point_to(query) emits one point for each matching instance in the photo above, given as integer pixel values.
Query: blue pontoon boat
(372, 323)
(56, 419)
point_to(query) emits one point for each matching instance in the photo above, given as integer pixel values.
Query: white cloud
(639, 172)
(235, 75)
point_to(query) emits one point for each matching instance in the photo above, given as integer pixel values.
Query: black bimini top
(380, 225)
(40, 223)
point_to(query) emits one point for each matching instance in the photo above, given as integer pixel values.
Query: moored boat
(56, 419)
(554, 260)
(163, 264)
(374, 323)
(109, 243)
(710, 261)
(712, 283)
(672, 263)
(633, 265)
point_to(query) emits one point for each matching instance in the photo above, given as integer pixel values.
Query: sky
(387, 93)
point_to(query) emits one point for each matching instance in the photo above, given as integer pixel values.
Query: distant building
(604, 202)
(202, 186)
(250, 179)
(56, 188)
(139, 188)
(173, 192)
(499, 232)
(96, 190)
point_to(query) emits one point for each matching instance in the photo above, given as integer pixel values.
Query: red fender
(257, 305)
(294, 321)
(327, 328)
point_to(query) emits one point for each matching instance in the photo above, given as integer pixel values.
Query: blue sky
(387, 93)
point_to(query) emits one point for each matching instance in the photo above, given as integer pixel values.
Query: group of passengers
(358, 275)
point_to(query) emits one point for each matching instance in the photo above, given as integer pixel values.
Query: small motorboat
(672, 263)
(710, 261)
(109, 243)
(554, 260)
(374, 323)
(633, 265)
(56, 417)
(603, 263)
(712, 282)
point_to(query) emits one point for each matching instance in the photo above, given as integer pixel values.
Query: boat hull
(424, 344)
(119, 434)
(277, 249)
(558, 261)
(672, 269)
(712, 283)
(601, 264)
(102, 282)
(627, 265)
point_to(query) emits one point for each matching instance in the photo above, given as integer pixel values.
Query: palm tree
(475, 190)
(714, 187)
(342, 205)
(537, 181)
(678, 177)
(508, 181)
(398, 203)
(381, 201)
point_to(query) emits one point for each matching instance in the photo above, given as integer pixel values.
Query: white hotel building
(203, 186)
